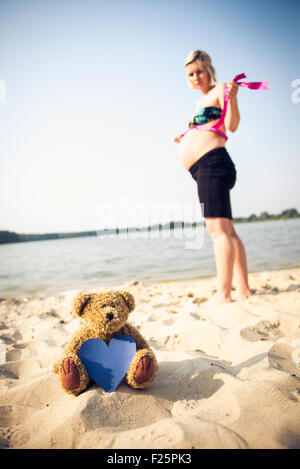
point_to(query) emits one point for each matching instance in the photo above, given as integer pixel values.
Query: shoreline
(66, 291)
(228, 377)
(11, 237)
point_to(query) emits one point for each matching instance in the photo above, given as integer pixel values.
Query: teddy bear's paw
(70, 376)
(144, 370)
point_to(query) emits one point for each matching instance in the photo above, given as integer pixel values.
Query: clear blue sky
(95, 92)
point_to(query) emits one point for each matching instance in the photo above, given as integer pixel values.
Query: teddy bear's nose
(109, 316)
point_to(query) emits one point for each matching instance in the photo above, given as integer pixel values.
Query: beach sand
(228, 377)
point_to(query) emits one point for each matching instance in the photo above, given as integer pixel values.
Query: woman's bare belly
(196, 143)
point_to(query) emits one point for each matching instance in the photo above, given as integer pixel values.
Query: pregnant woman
(205, 156)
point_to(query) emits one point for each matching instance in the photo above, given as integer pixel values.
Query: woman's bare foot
(245, 293)
(217, 299)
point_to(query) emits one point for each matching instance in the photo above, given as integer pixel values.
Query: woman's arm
(232, 118)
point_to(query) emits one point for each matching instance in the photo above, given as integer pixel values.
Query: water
(53, 266)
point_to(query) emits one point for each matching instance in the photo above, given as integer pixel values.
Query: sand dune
(229, 376)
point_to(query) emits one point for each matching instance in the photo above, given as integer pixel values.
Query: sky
(92, 94)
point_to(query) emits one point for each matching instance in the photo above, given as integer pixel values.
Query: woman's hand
(232, 89)
(178, 139)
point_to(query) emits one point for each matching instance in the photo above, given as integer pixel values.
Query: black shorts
(215, 175)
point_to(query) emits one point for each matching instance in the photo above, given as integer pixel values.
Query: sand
(229, 376)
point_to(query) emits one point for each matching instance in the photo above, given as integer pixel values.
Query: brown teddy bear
(105, 315)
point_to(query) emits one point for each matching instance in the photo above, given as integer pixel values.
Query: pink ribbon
(254, 85)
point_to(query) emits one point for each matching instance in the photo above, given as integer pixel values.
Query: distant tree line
(11, 237)
(264, 216)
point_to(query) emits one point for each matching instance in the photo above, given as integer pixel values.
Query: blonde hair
(206, 61)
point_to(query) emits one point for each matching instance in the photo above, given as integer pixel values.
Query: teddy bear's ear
(129, 299)
(80, 302)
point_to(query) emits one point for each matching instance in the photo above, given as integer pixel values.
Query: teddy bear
(105, 315)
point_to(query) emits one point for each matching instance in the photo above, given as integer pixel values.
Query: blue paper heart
(108, 364)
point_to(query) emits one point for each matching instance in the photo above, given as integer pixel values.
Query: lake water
(53, 266)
